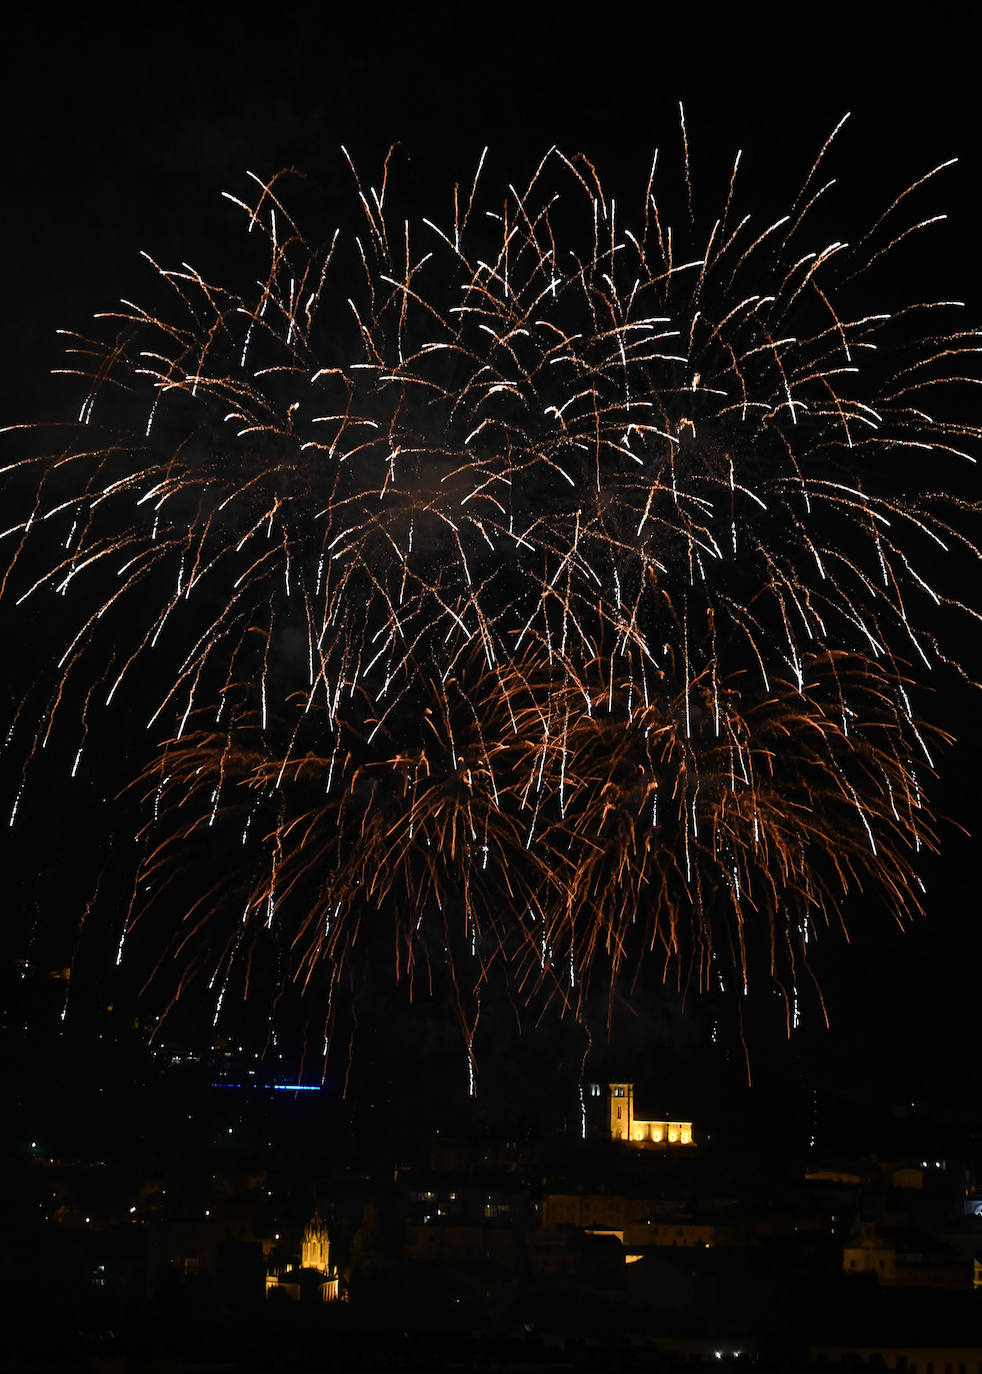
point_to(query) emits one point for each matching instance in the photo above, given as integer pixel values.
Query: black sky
(119, 129)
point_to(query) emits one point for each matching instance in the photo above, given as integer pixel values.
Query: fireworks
(546, 582)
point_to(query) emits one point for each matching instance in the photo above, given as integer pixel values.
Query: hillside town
(644, 1236)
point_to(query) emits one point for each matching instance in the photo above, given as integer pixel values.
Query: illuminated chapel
(624, 1125)
(316, 1278)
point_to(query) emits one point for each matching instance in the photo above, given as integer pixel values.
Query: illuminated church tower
(315, 1280)
(621, 1110)
(315, 1248)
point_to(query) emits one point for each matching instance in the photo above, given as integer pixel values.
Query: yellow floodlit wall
(624, 1125)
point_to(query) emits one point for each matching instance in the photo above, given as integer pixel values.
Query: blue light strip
(273, 1087)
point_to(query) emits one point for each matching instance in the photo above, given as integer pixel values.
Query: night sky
(118, 133)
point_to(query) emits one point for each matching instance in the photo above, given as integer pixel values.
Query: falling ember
(546, 582)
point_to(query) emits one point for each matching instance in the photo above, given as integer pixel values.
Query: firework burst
(546, 583)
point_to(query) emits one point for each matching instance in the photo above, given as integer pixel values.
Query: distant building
(624, 1125)
(612, 1212)
(904, 1258)
(211, 1248)
(315, 1280)
(869, 1252)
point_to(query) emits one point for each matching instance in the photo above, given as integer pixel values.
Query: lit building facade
(624, 1125)
(315, 1279)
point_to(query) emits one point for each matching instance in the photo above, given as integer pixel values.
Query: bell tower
(316, 1246)
(621, 1110)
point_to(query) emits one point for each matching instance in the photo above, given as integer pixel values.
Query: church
(316, 1279)
(634, 1130)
